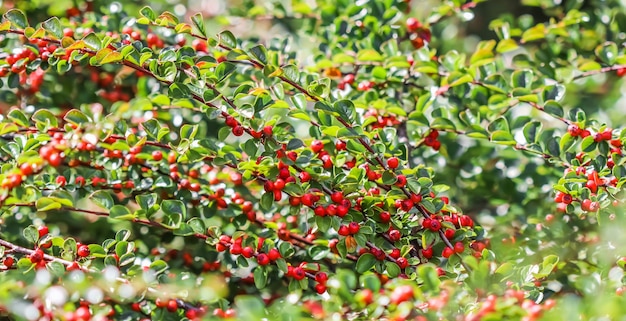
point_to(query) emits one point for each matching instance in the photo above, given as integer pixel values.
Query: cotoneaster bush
(360, 166)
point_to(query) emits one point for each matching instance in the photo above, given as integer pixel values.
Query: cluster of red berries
(339, 207)
(171, 305)
(317, 146)
(431, 140)
(459, 248)
(237, 248)
(350, 229)
(365, 85)
(17, 61)
(237, 129)
(53, 152)
(321, 278)
(347, 80)
(382, 120)
(418, 34)
(227, 314)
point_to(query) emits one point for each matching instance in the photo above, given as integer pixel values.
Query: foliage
(362, 167)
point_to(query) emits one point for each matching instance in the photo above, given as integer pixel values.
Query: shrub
(366, 167)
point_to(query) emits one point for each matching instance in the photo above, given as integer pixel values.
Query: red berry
(82, 314)
(43, 230)
(459, 247)
(317, 146)
(447, 252)
(237, 130)
(320, 288)
(36, 256)
(321, 277)
(589, 206)
(9, 261)
(298, 273)
(83, 251)
(385, 217)
(231, 121)
(273, 254)
(393, 162)
(279, 185)
(427, 253)
(402, 262)
(592, 185)
(340, 145)
(354, 227)
(263, 259)
(337, 197)
(68, 32)
(268, 131)
(55, 160)
(401, 182)
(27, 169)
(449, 233)
(172, 305)
(466, 221)
(320, 210)
(567, 199)
(343, 230)
(574, 130)
(305, 177)
(394, 235)
(348, 79)
(157, 155)
(435, 225)
(247, 252)
(412, 24)
(61, 181)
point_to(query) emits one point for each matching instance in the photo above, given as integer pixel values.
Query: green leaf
(158, 266)
(429, 277)
(346, 110)
(92, 41)
(607, 52)
(567, 141)
(392, 269)
(120, 212)
(502, 137)
(260, 277)
(548, 264)
(102, 198)
(553, 146)
(46, 117)
(47, 204)
(148, 13)
(267, 200)
(18, 117)
(369, 55)
(260, 53)
(249, 307)
(365, 263)
(522, 78)
(76, 117)
(506, 45)
(531, 131)
(172, 207)
(31, 234)
(227, 39)
(553, 108)
(535, 33)
(53, 26)
(198, 22)
(17, 18)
